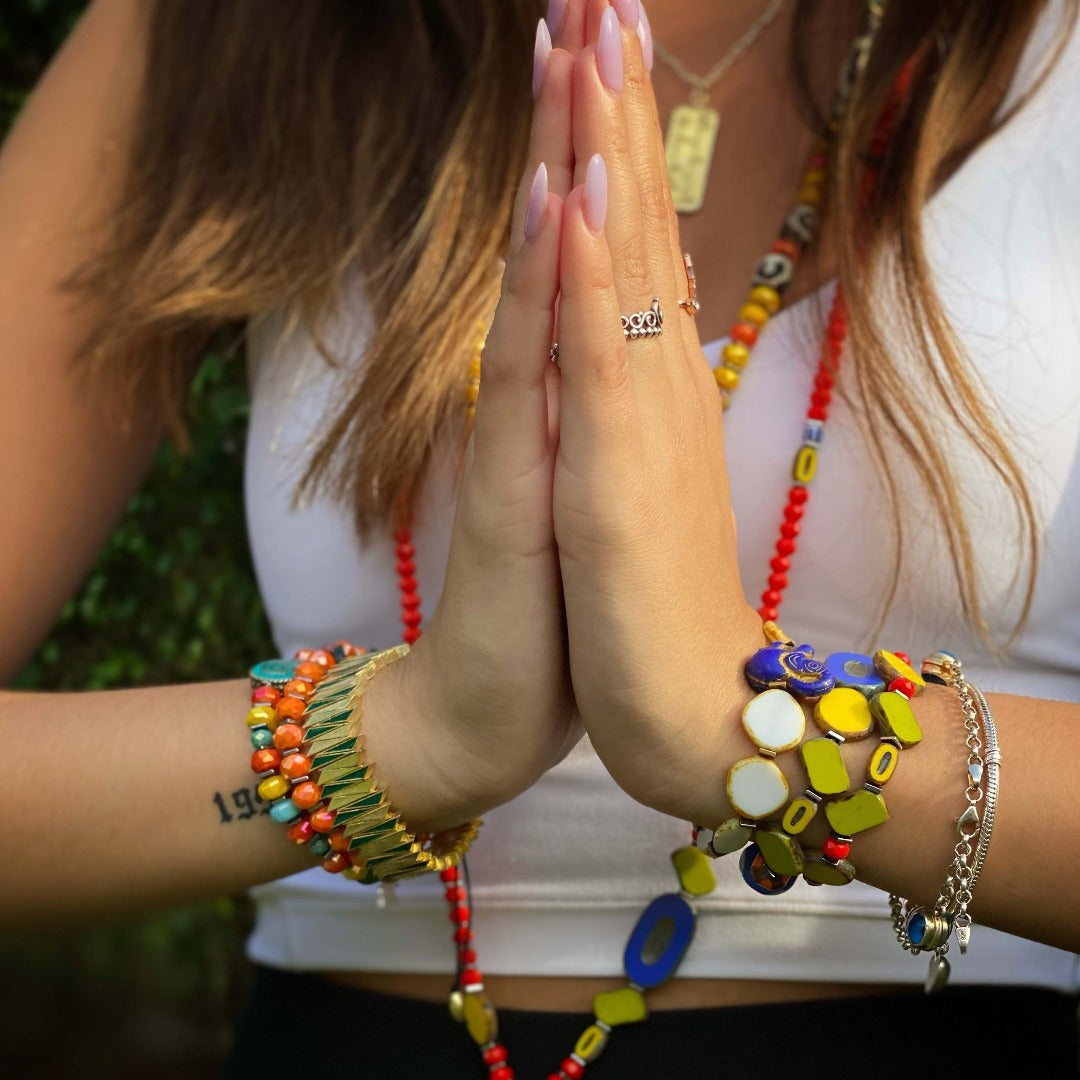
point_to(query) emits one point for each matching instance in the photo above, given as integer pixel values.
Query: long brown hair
(267, 174)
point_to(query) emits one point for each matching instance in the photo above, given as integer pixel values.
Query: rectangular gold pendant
(690, 142)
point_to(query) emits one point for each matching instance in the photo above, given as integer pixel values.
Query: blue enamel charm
(759, 877)
(783, 666)
(659, 941)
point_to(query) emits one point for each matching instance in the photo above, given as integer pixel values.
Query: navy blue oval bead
(759, 877)
(855, 671)
(659, 942)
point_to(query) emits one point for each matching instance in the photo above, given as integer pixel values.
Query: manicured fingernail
(594, 205)
(629, 12)
(538, 197)
(541, 52)
(609, 57)
(644, 33)
(556, 12)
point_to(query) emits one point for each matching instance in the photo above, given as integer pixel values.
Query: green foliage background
(171, 598)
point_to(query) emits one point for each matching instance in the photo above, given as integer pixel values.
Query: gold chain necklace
(690, 141)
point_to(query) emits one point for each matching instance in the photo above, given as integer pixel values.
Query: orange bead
(788, 248)
(295, 766)
(289, 737)
(322, 820)
(306, 795)
(335, 863)
(339, 841)
(265, 695)
(265, 760)
(323, 658)
(300, 688)
(309, 670)
(301, 655)
(745, 333)
(289, 708)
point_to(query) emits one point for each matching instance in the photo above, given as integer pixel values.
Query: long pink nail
(609, 58)
(644, 33)
(594, 204)
(541, 52)
(538, 198)
(629, 12)
(556, 12)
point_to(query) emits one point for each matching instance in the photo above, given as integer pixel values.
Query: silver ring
(641, 324)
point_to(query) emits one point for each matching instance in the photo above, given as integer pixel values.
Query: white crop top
(559, 896)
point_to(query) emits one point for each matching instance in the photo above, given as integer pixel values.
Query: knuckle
(632, 265)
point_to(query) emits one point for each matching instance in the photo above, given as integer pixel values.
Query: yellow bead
(857, 812)
(695, 871)
(262, 716)
(805, 468)
(480, 1019)
(821, 872)
(846, 712)
(618, 1007)
(815, 177)
(736, 354)
(889, 666)
(726, 379)
(825, 766)
(883, 763)
(782, 854)
(754, 314)
(894, 716)
(472, 392)
(809, 194)
(767, 297)
(591, 1044)
(273, 788)
(456, 1004)
(798, 815)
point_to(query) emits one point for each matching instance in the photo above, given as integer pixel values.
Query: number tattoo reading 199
(246, 804)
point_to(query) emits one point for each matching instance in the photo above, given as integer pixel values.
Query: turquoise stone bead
(284, 811)
(272, 672)
(319, 846)
(261, 738)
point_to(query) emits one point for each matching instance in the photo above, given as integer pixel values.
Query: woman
(588, 577)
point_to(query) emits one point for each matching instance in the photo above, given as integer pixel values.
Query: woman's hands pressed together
(657, 618)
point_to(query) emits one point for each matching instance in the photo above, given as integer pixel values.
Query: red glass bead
(571, 1069)
(405, 551)
(335, 863)
(300, 832)
(554, 1076)
(406, 568)
(322, 820)
(780, 564)
(298, 688)
(903, 686)
(456, 893)
(410, 602)
(407, 585)
(835, 849)
(769, 614)
(302, 655)
(494, 1055)
(288, 737)
(289, 708)
(295, 766)
(265, 760)
(310, 670)
(770, 598)
(460, 914)
(339, 841)
(793, 512)
(745, 333)
(503, 1072)
(306, 795)
(821, 398)
(778, 581)
(903, 656)
(798, 495)
(402, 535)
(466, 957)
(823, 381)
(411, 635)
(472, 977)
(786, 546)
(790, 529)
(323, 658)
(265, 695)
(449, 874)
(412, 618)
(817, 414)
(463, 935)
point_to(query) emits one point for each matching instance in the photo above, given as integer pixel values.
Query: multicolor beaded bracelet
(850, 694)
(304, 781)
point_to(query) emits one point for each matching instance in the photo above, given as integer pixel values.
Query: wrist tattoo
(244, 803)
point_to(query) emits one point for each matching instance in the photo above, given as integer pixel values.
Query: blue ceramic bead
(272, 673)
(660, 939)
(854, 671)
(319, 845)
(284, 810)
(262, 737)
(759, 877)
(782, 666)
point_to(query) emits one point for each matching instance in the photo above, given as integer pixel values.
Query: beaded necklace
(647, 966)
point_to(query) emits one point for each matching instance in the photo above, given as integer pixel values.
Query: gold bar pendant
(690, 142)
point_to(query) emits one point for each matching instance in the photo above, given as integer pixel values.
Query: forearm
(126, 800)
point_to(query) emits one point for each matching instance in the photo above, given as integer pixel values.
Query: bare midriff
(545, 994)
